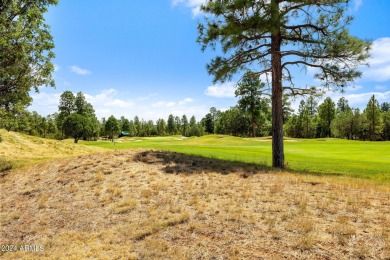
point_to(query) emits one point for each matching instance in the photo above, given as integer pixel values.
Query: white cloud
(360, 100)
(107, 99)
(377, 74)
(379, 70)
(44, 103)
(159, 104)
(224, 90)
(46, 99)
(193, 4)
(79, 70)
(186, 101)
(56, 68)
(353, 88)
(357, 4)
(380, 87)
(147, 97)
(170, 104)
(380, 51)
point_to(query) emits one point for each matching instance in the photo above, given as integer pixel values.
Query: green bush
(5, 165)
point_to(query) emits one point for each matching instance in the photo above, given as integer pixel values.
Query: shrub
(5, 165)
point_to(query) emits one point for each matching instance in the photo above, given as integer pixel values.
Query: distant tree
(132, 129)
(125, 124)
(52, 126)
(287, 110)
(386, 126)
(304, 120)
(65, 108)
(265, 120)
(294, 127)
(347, 121)
(272, 36)
(215, 113)
(80, 104)
(385, 107)
(327, 112)
(208, 123)
(22, 122)
(184, 125)
(177, 125)
(249, 91)
(342, 104)
(343, 123)
(112, 127)
(35, 124)
(171, 126)
(147, 128)
(144, 131)
(312, 105)
(161, 127)
(373, 121)
(137, 126)
(232, 122)
(67, 103)
(304, 124)
(70, 104)
(195, 128)
(77, 126)
(192, 121)
(102, 125)
(152, 128)
(355, 124)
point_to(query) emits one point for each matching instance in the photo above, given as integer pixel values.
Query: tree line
(250, 117)
(312, 120)
(76, 119)
(329, 119)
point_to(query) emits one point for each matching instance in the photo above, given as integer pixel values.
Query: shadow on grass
(179, 163)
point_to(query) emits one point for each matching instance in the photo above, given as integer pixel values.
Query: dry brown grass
(161, 205)
(24, 150)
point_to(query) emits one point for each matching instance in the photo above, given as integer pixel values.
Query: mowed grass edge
(357, 159)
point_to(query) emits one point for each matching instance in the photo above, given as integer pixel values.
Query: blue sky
(141, 58)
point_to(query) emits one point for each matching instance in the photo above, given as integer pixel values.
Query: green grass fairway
(367, 160)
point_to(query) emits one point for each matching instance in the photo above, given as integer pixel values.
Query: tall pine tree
(272, 36)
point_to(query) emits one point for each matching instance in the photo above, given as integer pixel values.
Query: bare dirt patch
(163, 205)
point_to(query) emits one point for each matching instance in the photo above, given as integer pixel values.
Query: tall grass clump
(5, 165)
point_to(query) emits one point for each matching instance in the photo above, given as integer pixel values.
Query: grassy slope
(369, 160)
(25, 150)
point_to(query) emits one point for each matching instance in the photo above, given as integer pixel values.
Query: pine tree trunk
(277, 91)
